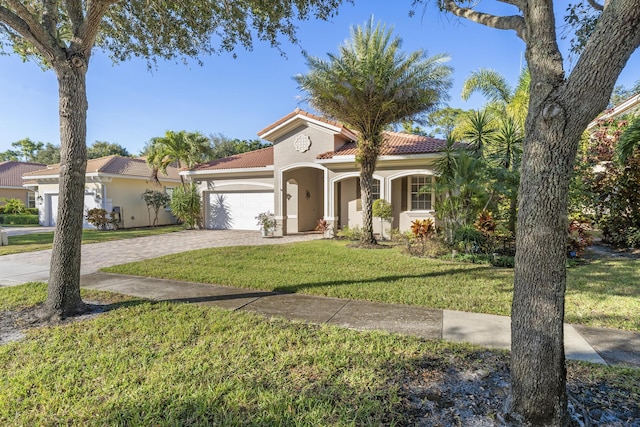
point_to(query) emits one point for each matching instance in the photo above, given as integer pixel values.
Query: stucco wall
(127, 194)
(14, 193)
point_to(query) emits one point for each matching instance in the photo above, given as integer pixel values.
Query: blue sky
(128, 104)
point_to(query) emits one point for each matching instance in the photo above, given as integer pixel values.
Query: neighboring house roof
(271, 132)
(11, 173)
(111, 165)
(395, 144)
(253, 159)
(626, 106)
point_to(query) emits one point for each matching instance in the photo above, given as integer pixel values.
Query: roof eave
(269, 168)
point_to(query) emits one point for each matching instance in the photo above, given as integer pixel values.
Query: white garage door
(237, 211)
(52, 209)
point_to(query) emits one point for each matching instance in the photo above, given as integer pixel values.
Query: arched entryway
(303, 200)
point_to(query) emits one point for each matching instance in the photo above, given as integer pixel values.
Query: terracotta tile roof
(253, 159)
(395, 144)
(343, 129)
(11, 172)
(112, 165)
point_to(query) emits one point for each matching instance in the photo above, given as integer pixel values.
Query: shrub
(633, 238)
(469, 239)
(186, 206)
(348, 233)
(9, 219)
(97, 217)
(32, 211)
(13, 206)
(578, 238)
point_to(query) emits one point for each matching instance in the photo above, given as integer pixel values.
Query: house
(113, 183)
(11, 181)
(310, 172)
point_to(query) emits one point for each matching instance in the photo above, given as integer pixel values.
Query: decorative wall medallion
(302, 143)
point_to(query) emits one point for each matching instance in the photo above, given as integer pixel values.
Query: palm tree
(508, 107)
(629, 140)
(502, 98)
(369, 85)
(184, 149)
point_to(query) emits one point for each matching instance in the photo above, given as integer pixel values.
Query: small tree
(186, 206)
(155, 200)
(383, 210)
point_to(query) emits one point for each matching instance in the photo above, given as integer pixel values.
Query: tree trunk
(366, 184)
(63, 297)
(537, 353)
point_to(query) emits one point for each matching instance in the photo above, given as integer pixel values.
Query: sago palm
(369, 85)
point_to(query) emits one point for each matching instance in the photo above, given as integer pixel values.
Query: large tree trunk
(537, 352)
(63, 297)
(367, 167)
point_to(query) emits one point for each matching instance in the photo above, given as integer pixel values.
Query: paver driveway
(31, 266)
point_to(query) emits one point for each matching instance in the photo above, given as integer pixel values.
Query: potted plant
(267, 222)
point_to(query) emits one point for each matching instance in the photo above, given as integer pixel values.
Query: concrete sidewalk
(581, 343)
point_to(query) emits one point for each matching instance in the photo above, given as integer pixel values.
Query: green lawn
(145, 364)
(603, 293)
(41, 241)
(171, 364)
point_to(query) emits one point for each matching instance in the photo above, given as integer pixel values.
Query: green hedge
(19, 219)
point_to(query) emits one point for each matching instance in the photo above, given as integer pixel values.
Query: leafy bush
(505, 261)
(186, 206)
(469, 239)
(348, 233)
(9, 219)
(98, 218)
(578, 238)
(32, 211)
(633, 238)
(13, 206)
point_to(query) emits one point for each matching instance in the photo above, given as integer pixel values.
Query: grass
(171, 364)
(603, 293)
(41, 241)
(148, 363)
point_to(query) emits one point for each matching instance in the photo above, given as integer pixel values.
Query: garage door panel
(237, 211)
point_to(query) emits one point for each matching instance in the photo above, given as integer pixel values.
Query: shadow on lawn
(382, 279)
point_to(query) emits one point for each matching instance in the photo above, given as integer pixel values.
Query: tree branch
(615, 37)
(597, 6)
(24, 24)
(49, 16)
(74, 10)
(91, 25)
(513, 22)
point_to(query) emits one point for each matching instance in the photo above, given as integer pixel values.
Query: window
(31, 199)
(421, 192)
(375, 192)
(169, 192)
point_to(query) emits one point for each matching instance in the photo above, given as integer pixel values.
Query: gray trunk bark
(63, 297)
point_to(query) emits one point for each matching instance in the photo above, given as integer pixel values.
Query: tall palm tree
(369, 85)
(182, 148)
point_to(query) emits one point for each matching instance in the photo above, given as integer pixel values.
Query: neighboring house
(11, 181)
(630, 105)
(113, 183)
(310, 173)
